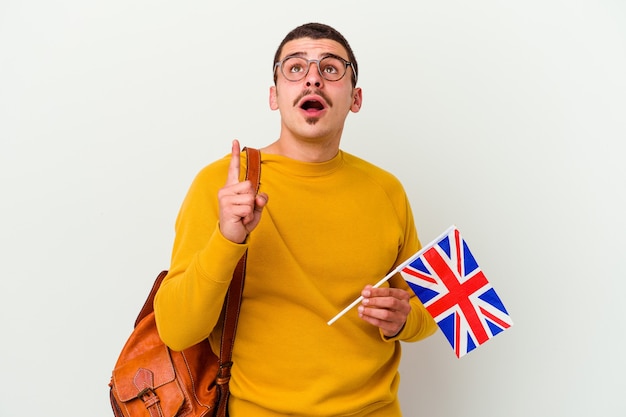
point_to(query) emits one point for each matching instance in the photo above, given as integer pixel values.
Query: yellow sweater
(328, 230)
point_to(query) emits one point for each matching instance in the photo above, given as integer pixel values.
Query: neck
(303, 150)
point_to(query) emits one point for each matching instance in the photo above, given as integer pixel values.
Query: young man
(324, 225)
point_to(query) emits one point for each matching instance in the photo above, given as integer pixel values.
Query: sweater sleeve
(189, 302)
(419, 323)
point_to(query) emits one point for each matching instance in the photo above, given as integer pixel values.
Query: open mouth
(312, 105)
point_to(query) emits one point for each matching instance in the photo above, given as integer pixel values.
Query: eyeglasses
(331, 68)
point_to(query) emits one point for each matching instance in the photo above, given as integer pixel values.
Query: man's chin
(312, 120)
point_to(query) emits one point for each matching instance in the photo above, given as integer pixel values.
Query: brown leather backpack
(151, 380)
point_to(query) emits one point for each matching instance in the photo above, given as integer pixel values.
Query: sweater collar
(303, 169)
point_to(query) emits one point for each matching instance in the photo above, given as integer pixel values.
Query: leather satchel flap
(155, 363)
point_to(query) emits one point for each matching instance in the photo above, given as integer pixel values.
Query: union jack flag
(448, 281)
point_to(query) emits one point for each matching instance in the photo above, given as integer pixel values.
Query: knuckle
(384, 314)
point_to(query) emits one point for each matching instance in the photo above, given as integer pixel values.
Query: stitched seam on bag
(193, 382)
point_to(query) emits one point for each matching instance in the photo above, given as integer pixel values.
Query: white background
(505, 118)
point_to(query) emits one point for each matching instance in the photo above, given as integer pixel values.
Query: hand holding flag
(446, 278)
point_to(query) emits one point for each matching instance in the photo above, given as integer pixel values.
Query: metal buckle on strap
(145, 392)
(148, 396)
(223, 374)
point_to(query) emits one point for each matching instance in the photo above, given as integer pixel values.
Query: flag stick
(392, 273)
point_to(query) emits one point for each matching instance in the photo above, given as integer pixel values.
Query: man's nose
(314, 76)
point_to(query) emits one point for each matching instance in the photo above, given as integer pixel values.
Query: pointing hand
(240, 207)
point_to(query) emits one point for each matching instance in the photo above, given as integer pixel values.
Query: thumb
(260, 201)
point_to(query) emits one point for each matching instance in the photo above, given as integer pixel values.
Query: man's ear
(273, 98)
(357, 100)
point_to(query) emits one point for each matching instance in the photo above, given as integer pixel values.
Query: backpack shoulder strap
(232, 302)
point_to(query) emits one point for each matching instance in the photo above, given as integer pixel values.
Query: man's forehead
(313, 48)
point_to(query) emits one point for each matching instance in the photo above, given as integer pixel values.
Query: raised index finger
(235, 162)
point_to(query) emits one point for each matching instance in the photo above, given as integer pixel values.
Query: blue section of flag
(447, 327)
(492, 298)
(423, 293)
(419, 265)
(444, 244)
(469, 261)
(470, 342)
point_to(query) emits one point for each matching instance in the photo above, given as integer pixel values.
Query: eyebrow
(325, 55)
